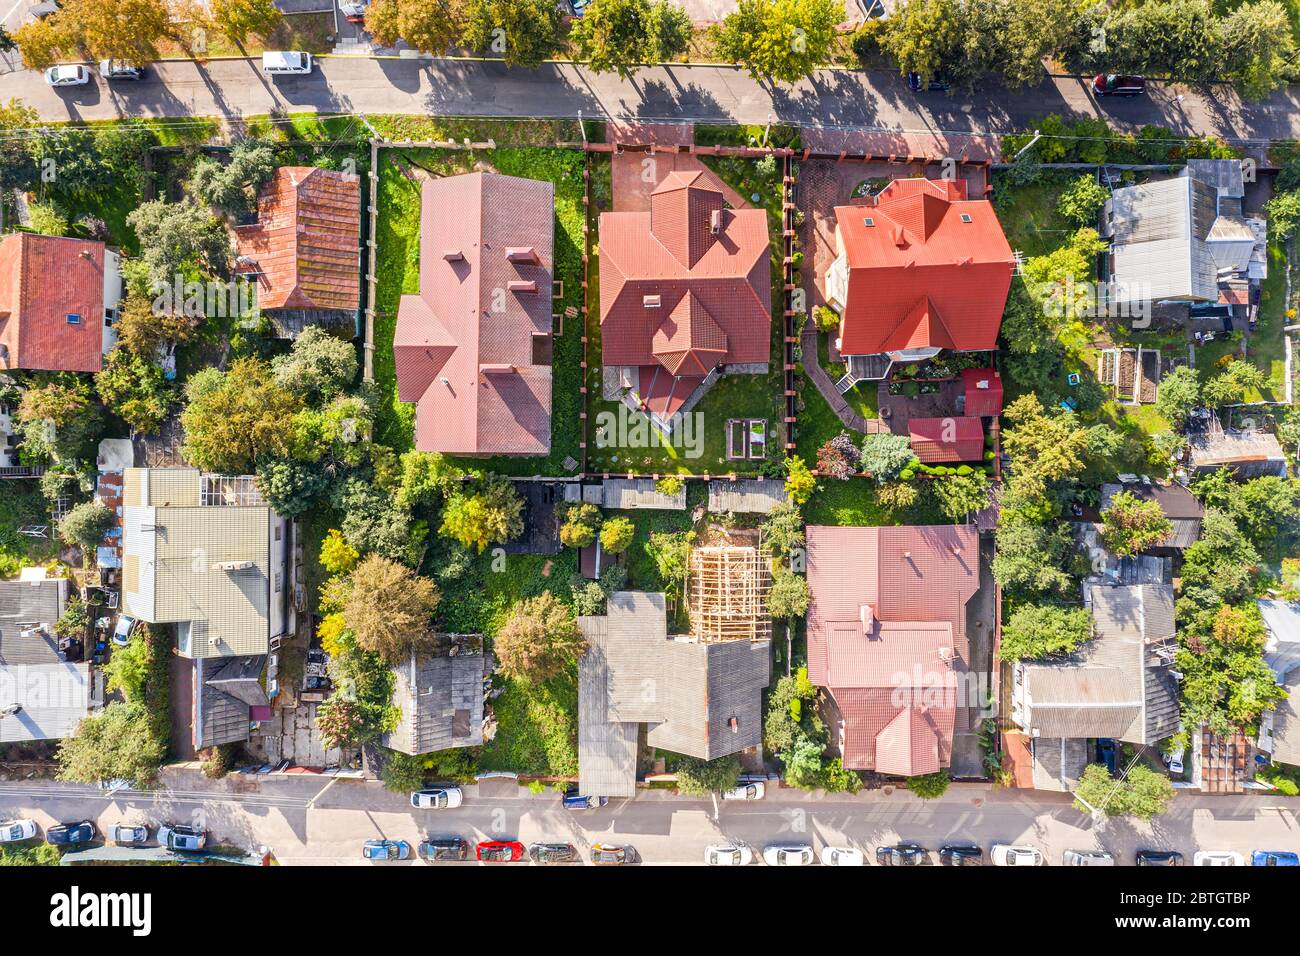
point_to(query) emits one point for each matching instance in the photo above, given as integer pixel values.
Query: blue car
(70, 834)
(386, 850)
(1274, 858)
(573, 800)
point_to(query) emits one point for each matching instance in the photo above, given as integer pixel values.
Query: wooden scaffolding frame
(728, 593)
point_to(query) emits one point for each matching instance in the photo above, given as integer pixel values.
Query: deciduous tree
(618, 36)
(390, 608)
(524, 32)
(239, 18)
(238, 418)
(488, 512)
(1041, 630)
(1131, 525)
(779, 41)
(539, 640)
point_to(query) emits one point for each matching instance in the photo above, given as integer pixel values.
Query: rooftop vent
(522, 254)
(867, 617)
(233, 566)
(522, 285)
(715, 222)
(734, 724)
(453, 255)
(900, 238)
(651, 301)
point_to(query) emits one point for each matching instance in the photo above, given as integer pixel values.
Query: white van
(285, 61)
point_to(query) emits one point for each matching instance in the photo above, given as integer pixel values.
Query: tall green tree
(1131, 525)
(524, 32)
(239, 18)
(430, 26)
(779, 41)
(618, 36)
(237, 418)
(538, 641)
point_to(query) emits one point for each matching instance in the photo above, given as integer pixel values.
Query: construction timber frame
(728, 593)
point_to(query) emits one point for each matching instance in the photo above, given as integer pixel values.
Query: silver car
(129, 834)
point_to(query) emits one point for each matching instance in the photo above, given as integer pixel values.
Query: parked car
(437, 798)
(1274, 858)
(123, 629)
(129, 834)
(961, 854)
(354, 11)
(499, 851)
(383, 851)
(936, 83)
(443, 850)
(117, 70)
(789, 854)
(70, 834)
(67, 74)
(545, 853)
(1004, 854)
(841, 856)
(1159, 858)
(724, 855)
(1087, 858)
(902, 854)
(282, 62)
(573, 800)
(1117, 84)
(177, 837)
(13, 831)
(611, 854)
(746, 791)
(1218, 858)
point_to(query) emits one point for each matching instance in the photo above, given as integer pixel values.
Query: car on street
(499, 851)
(383, 851)
(611, 854)
(1274, 858)
(1087, 858)
(123, 629)
(746, 791)
(728, 855)
(179, 837)
(437, 798)
(354, 11)
(1006, 854)
(545, 853)
(1159, 858)
(961, 854)
(443, 850)
(573, 800)
(117, 70)
(286, 62)
(129, 834)
(788, 854)
(936, 83)
(1218, 858)
(902, 854)
(14, 831)
(67, 74)
(1118, 84)
(70, 834)
(841, 856)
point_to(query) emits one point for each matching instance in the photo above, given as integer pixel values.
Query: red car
(1113, 84)
(500, 851)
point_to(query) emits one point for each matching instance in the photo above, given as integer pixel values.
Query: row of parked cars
(457, 850)
(274, 63)
(969, 854)
(171, 835)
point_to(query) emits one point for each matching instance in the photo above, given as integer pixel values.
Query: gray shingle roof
(1286, 722)
(227, 688)
(441, 699)
(24, 603)
(1059, 762)
(746, 495)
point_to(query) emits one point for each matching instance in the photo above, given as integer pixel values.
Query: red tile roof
(464, 346)
(678, 296)
(306, 241)
(894, 681)
(983, 388)
(43, 280)
(942, 440)
(920, 276)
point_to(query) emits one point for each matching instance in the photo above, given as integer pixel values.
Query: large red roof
(943, 440)
(684, 287)
(887, 637)
(473, 348)
(931, 271)
(306, 240)
(43, 281)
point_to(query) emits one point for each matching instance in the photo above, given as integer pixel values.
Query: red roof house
(887, 638)
(305, 246)
(473, 347)
(54, 297)
(684, 288)
(921, 268)
(938, 441)
(983, 388)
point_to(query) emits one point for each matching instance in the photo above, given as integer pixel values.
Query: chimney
(453, 255)
(715, 222)
(523, 254)
(907, 555)
(900, 238)
(495, 369)
(868, 618)
(956, 550)
(522, 285)
(734, 724)
(651, 301)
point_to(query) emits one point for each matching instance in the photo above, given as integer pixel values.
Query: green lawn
(537, 729)
(398, 271)
(21, 504)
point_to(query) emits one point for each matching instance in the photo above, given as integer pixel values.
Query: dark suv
(444, 850)
(553, 853)
(904, 854)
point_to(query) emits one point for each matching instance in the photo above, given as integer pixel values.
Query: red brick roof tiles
(921, 276)
(983, 387)
(944, 440)
(464, 345)
(306, 240)
(43, 280)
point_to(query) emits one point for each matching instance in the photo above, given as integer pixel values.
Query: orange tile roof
(306, 241)
(43, 280)
(943, 440)
(919, 275)
(464, 345)
(983, 388)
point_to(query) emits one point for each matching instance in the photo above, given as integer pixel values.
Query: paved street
(833, 98)
(278, 812)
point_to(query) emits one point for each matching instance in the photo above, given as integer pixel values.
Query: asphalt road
(304, 824)
(831, 98)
